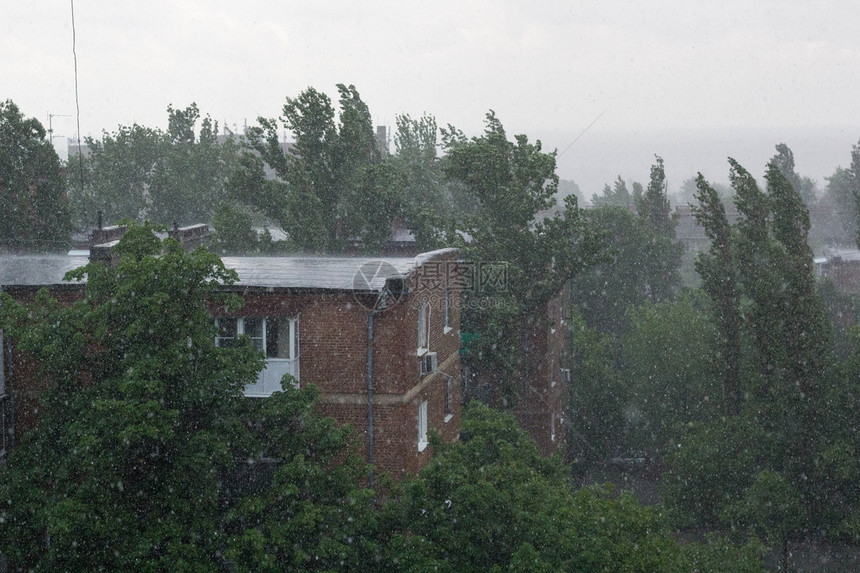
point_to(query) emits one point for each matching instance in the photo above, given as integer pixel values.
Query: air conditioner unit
(428, 363)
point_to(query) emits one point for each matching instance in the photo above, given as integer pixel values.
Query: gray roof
(329, 273)
(324, 273)
(844, 253)
(37, 270)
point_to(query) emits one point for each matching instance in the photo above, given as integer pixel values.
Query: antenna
(51, 117)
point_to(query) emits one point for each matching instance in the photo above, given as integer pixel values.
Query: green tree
(490, 502)
(838, 200)
(667, 358)
(139, 425)
(784, 162)
(781, 453)
(334, 187)
(189, 178)
(662, 253)
(136, 464)
(137, 173)
(720, 282)
(512, 182)
(32, 188)
(306, 511)
(430, 201)
(605, 292)
(234, 233)
(599, 398)
(772, 508)
(618, 195)
(117, 175)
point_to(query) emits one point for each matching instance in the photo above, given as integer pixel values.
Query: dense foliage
(517, 223)
(33, 202)
(142, 173)
(644, 255)
(136, 460)
(490, 502)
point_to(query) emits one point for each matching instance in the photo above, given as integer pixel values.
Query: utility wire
(583, 132)
(77, 100)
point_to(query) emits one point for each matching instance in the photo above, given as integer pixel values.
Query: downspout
(6, 349)
(10, 391)
(370, 318)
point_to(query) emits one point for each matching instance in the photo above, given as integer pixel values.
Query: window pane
(254, 330)
(422, 425)
(227, 335)
(278, 338)
(422, 327)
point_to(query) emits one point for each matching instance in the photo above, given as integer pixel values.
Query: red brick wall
(544, 397)
(333, 356)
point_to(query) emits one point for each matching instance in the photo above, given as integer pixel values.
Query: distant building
(76, 147)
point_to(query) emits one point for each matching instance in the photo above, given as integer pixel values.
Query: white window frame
(422, 426)
(424, 329)
(275, 367)
(447, 308)
(449, 398)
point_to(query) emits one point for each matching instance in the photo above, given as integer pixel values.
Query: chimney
(190, 237)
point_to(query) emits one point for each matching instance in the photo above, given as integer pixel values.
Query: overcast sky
(691, 81)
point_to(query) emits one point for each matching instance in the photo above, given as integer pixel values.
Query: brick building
(377, 336)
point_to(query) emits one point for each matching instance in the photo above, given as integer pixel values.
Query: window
(552, 428)
(424, 328)
(2, 368)
(277, 338)
(422, 426)
(565, 375)
(447, 310)
(449, 398)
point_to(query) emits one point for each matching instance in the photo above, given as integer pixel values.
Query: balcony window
(277, 338)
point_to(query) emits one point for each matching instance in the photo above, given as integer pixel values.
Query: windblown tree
(334, 187)
(512, 182)
(617, 195)
(842, 195)
(32, 188)
(174, 176)
(720, 282)
(779, 447)
(644, 256)
(188, 180)
(432, 203)
(784, 162)
(662, 253)
(116, 175)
